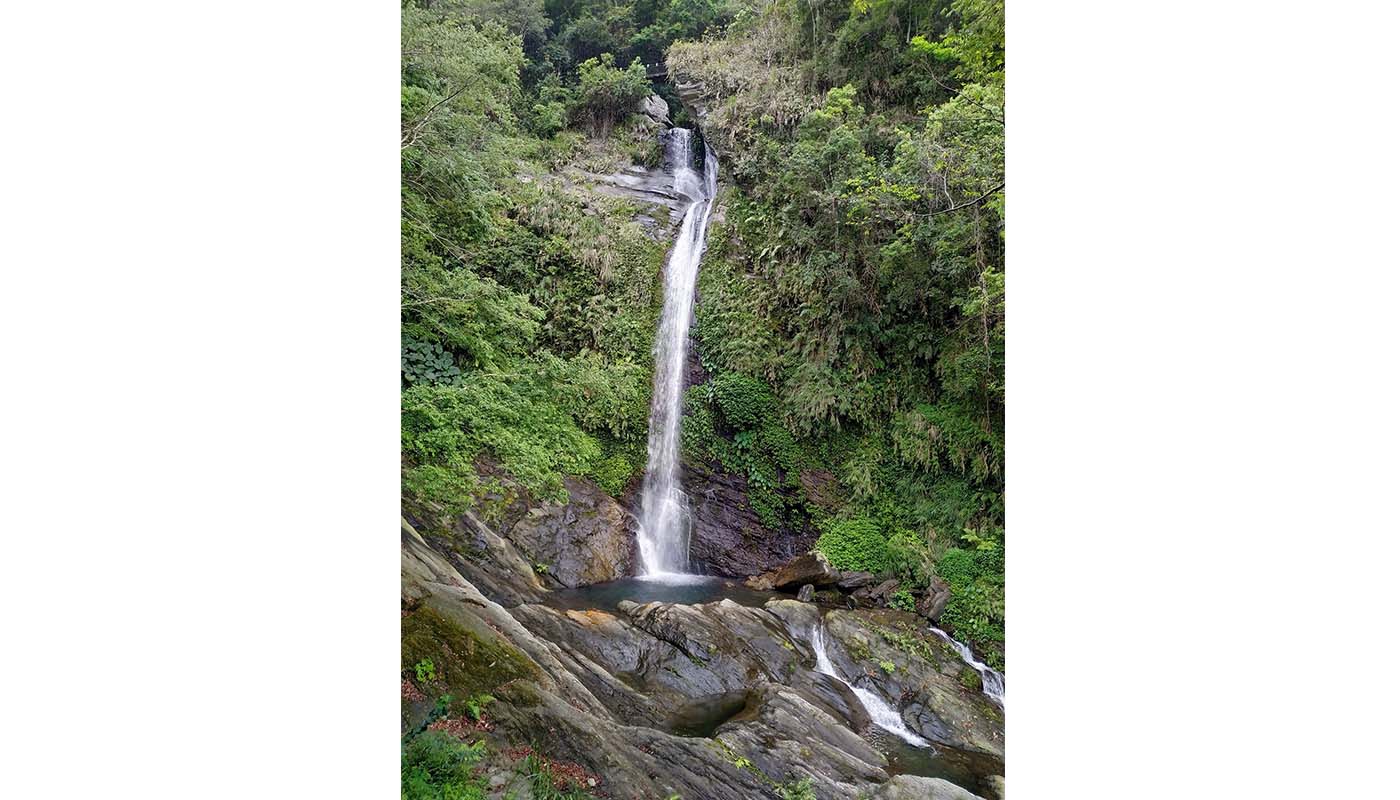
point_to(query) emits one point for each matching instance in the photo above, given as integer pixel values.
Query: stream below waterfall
(905, 751)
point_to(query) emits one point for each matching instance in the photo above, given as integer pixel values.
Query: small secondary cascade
(880, 712)
(663, 537)
(993, 682)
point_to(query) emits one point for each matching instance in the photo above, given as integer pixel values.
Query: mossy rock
(970, 678)
(468, 662)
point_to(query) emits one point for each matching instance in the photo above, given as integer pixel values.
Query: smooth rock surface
(583, 541)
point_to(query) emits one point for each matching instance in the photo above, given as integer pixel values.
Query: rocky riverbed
(710, 695)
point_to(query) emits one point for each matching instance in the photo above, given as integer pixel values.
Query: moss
(908, 640)
(466, 663)
(969, 678)
(859, 649)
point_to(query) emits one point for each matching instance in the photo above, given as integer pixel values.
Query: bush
(611, 473)
(426, 362)
(743, 401)
(438, 766)
(902, 600)
(606, 95)
(856, 544)
(976, 611)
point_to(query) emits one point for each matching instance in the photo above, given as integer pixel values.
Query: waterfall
(663, 537)
(993, 682)
(881, 713)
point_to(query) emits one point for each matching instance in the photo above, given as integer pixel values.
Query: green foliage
(476, 703)
(976, 610)
(797, 790)
(857, 544)
(606, 94)
(888, 667)
(744, 401)
(424, 671)
(427, 362)
(902, 599)
(507, 418)
(436, 766)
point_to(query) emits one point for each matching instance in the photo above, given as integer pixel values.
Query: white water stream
(993, 682)
(881, 713)
(663, 537)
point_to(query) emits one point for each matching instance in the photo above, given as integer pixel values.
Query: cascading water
(664, 535)
(993, 682)
(881, 713)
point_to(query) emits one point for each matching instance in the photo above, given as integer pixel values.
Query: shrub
(611, 473)
(426, 362)
(424, 670)
(744, 401)
(902, 600)
(606, 94)
(856, 544)
(436, 765)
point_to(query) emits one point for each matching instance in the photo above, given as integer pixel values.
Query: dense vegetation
(852, 297)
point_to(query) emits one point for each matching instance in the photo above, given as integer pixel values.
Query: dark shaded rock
(585, 540)
(936, 599)
(821, 489)
(810, 568)
(878, 595)
(727, 537)
(852, 580)
(807, 593)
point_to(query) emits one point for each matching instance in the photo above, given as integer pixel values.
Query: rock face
(807, 568)
(585, 540)
(926, 684)
(726, 536)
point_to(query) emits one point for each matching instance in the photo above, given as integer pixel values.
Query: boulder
(784, 734)
(583, 541)
(878, 595)
(807, 593)
(936, 599)
(810, 568)
(852, 580)
(654, 108)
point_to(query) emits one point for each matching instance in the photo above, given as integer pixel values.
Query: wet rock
(726, 535)
(799, 618)
(925, 684)
(807, 593)
(810, 568)
(583, 541)
(914, 787)
(489, 562)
